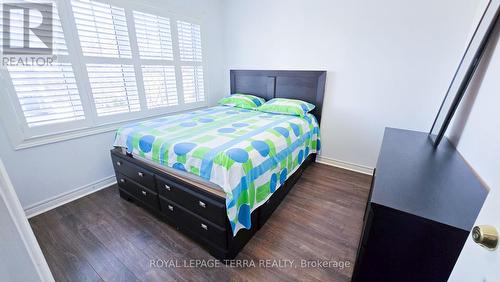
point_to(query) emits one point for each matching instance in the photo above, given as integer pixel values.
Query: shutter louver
(114, 88)
(189, 41)
(102, 29)
(154, 37)
(47, 94)
(192, 83)
(160, 86)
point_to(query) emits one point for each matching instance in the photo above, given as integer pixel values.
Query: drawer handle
(122, 180)
(167, 187)
(144, 193)
(118, 163)
(140, 174)
(202, 204)
(204, 226)
(171, 208)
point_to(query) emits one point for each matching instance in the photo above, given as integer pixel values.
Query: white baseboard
(67, 197)
(77, 193)
(345, 165)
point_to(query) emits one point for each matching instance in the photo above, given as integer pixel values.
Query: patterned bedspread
(247, 153)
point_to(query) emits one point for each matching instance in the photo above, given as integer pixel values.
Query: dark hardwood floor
(103, 237)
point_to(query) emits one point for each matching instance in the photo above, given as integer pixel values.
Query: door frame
(8, 197)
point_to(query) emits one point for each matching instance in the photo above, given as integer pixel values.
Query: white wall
(389, 62)
(41, 173)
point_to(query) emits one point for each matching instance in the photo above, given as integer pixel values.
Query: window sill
(88, 131)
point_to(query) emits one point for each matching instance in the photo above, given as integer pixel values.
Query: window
(189, 41)
(114, 64)
(192, 81)
(154, 38)
(47, 94)
(160, 86)
(191, 61)
(102, 29)
(103, 32)
(114, 88)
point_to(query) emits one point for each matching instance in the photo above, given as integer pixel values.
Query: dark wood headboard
(307, 86)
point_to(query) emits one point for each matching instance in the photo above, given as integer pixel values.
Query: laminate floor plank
(103, 237)
(65, 262)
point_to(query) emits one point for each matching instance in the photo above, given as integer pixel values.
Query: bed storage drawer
(141, 193)
(149, 198)
(193, 201)
(127, 185)
(139, 175)
(193, 223)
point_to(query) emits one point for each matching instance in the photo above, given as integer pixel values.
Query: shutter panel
(189, 41)
(153, 36)
(47, 94)
(102, 29)
(114, 88)
(190, 51)
(160, 86)
(16, 31)
(192, 82)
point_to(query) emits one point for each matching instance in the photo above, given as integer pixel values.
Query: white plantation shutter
(47, 94)
(192, 82)
(190, 50)
(160, 86)
(189, 41)
(154, 37)
(102, 29)
(100, 63)
(114, 88)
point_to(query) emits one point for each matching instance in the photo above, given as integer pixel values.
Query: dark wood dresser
(422, 205)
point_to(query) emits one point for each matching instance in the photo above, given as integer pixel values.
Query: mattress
(183, 175)
(248, 154)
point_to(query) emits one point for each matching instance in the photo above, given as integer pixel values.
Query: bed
(218, 173)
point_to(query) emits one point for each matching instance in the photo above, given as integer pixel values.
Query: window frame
(22, 136)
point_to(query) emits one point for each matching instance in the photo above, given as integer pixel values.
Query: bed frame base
(179, 206)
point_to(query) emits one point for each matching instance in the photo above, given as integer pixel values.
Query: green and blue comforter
(247, 153)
